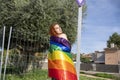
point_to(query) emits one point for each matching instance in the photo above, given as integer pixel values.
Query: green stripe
(68, 54)
(54, 48)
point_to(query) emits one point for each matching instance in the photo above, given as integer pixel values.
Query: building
(112, 56)
(98, 57)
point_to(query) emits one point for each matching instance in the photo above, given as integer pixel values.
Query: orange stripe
(62, 65)
(59, 55)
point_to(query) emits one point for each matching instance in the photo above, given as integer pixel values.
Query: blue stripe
(64, 48)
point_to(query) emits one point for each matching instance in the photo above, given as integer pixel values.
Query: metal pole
(119, 66)
(78, 41)
(2, 53)
(7, 54)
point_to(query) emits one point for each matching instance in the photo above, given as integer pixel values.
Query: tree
(35, 16)
(84, 59)
(114, 38)
(31, 19)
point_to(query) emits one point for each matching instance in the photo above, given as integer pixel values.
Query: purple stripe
(60, 40)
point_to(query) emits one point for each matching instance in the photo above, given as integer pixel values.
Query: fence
(24, 52)
(100, 67)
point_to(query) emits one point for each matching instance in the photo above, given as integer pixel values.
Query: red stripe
(60, 64)
(61, 74)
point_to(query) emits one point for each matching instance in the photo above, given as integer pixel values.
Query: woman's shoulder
(63, 35)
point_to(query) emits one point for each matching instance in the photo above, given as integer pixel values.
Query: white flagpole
(7, 54)
(2, 52)
(78, 41)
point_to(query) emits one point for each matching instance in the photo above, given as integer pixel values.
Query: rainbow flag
(60, 64)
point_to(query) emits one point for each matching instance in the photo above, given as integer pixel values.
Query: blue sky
(102, 20)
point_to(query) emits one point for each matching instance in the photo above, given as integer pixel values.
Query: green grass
(42, 75)
(36, 75)
(104, 75)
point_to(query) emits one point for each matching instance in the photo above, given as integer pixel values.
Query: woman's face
(57, 29)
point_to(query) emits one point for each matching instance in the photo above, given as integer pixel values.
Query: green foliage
(35, 16)
(82, 72)
(74, 57)
(84, 59)
(115, 38)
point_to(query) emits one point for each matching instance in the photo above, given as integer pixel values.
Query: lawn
(39, 75)
(33, 75)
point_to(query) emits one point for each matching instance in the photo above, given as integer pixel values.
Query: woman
(60, 64)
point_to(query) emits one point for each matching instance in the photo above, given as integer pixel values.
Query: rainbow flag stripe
(60, 64)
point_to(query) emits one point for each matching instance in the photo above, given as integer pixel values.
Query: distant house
(98, 57)
(112, 56)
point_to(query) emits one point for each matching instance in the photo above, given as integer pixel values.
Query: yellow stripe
(59, 55)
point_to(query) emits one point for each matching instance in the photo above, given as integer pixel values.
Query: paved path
(95, 77)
